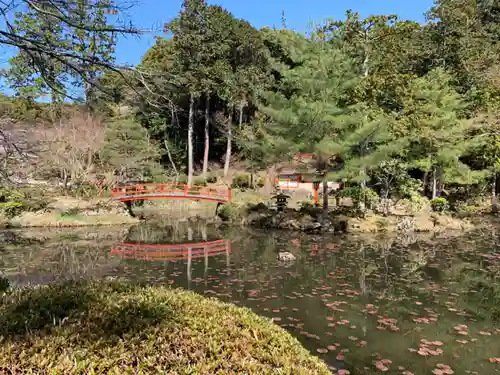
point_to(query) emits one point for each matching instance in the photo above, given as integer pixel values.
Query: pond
(395, 305)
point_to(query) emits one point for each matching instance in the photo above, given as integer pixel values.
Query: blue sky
(299, 13)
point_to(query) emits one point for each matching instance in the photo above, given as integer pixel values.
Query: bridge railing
(145, 189)
(171, 251)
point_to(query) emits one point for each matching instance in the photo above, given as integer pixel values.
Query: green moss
(111, 328)
(70, 217)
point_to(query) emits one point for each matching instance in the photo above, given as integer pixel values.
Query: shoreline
(67, 212)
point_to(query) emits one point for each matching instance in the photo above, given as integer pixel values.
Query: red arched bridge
(171, 252)
(170, 191)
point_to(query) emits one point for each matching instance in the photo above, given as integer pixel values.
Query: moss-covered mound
(111, 328)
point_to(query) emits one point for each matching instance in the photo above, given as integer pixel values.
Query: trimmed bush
(261, 182)
(120, 328)
(199, 181)
(211, 178)
(439, 204)
(358, 194)
(231, 212)
(241, 181)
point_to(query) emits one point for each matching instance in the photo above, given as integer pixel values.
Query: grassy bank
(110, 328)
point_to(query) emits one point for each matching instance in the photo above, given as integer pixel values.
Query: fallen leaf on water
(380, 365)
(322, 350)
(443, 369)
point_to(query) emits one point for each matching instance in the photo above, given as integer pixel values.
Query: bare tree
(68, 149)
(16, 155)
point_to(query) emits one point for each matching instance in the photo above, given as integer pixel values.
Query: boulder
(286, 256)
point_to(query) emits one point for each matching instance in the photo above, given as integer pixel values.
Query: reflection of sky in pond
(369, 305)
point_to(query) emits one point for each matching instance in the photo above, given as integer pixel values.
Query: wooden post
(316, 193)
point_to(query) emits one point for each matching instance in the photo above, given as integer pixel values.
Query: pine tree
(435, 133)
(63, 45)
(318, 116)
(485, 149)
(128, 150)
(23, 74)
(90, 43)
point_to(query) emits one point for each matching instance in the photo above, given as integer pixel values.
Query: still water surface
(407, 305)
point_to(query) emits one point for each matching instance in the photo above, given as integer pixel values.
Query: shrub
(358, 194)
(261, 182)
(211, 178)
(11, 202)
(11, 209)
(439, 204)
(306, 204)
(410, 189)
(86, 190)
(230, 212)
(94, 327)
(415, 204)
(199, 181)
(241, 181)
(183, 179)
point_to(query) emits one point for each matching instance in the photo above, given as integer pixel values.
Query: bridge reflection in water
(171, 252)
(174, 252)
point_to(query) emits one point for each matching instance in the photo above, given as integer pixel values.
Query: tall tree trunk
(229, 141)
(207, 135)
(190, 140)
(434, 183)
(425, 182)
(242, 106)
(240, 123)
(366, 60)
(440, 183)
(366, 72)
(89, 93)
(167, 145)
(494, 198)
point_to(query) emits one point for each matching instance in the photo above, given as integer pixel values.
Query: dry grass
(51, 219)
